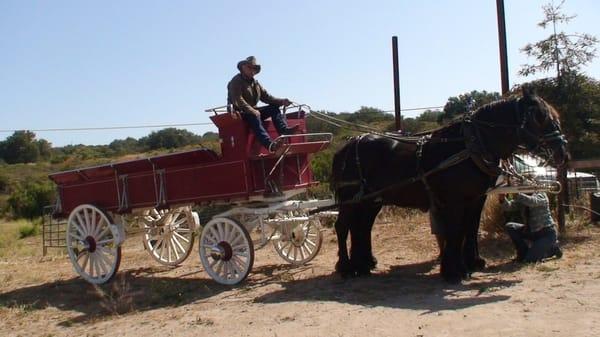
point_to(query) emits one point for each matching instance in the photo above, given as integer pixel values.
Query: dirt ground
(41, 296)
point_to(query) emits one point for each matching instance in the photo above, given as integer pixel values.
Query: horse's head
(540, 127)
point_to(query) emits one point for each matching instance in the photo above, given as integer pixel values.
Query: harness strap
(449, 162)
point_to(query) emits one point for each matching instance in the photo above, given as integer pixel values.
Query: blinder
(534, 142)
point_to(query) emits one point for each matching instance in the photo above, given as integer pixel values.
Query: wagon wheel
(169, 235)
(298, 242)
(226, 251)
(93, 244)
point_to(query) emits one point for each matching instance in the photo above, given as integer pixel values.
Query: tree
(466, 102)
(169, 138)
(124, 146)
(578, 102)
(21, 147)
(561, 51)
(29, 198)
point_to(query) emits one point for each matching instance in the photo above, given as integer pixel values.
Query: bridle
(532, 142)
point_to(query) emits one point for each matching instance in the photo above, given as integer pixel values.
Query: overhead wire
(365, 127)
(107, 127)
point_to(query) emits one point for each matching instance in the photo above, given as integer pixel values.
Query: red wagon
(159, 192)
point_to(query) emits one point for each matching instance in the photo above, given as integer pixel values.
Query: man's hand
(285, 102)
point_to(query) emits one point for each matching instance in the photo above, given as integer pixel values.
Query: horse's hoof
(344, 268)
(363, 272)
(373, 263)
(453, 279)
(478, 264)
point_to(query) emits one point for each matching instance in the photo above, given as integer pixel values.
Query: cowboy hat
(251, 61)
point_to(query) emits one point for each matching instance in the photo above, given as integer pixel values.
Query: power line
(415, 109)
(155, 125)
(110, 127)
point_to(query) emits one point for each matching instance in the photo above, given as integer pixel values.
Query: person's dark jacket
(245, 94)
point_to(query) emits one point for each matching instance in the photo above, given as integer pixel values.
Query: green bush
(28, 199)
(28, 229)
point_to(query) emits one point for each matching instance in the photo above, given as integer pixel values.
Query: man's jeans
(257, 126)
(531, 247)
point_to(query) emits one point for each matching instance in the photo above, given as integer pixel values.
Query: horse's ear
(527, 90)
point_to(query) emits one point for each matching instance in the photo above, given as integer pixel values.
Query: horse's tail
(338, 167)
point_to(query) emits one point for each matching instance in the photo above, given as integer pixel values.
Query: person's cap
(251, 61)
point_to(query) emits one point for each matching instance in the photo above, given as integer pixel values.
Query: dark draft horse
(447, 172)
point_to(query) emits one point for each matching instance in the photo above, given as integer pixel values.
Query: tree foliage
(561, 51)
(28, 199)
(169, 138)
(458, 105)
(577, 98)
(21, 147)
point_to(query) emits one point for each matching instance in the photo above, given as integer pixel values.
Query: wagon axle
(222, 251)
(90, 244)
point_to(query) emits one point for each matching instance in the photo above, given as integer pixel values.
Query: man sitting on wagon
(244, 92)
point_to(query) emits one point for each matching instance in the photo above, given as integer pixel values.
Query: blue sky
(70, 64)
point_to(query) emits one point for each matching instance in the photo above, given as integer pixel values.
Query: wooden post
(502, 46)
(397, 111)
(563, 196)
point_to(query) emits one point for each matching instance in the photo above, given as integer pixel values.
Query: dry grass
(12, 243)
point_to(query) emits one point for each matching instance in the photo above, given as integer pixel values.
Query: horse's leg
(342, 226)
(473, 261)
(453, 268)
(361, 254)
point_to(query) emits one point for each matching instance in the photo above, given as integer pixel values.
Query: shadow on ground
(132, 290)
(409, 286)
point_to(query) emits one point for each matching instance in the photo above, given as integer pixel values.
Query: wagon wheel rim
(92, 244)
(299, 243)
(226, 251)
(169, 237)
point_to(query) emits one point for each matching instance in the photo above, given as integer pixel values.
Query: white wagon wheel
(226, 251)
(298, 242)
(93, 244)
(169, 235)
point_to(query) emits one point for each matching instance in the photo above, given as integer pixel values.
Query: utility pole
(502, 46)
(398, 114)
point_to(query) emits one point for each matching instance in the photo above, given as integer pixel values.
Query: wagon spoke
(98, 229)
(104, 242)
(86, 218)
(181, 237)
(73, 235)
(221, 233)
(98, 266)
(104, 233)
(301, 248)
(240, 247)
(236, 268)
(86, 258)
(174, 247)
(219, 267)
(310, 242)
(102, 267)
(92, 265)
(93, 219)
(156, 244)
(295, 251)
(178, 244)
(215, 234)
(237, 238)
(179, 222)
(82, 224)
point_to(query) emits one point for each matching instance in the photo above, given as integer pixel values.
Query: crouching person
(536, 239)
